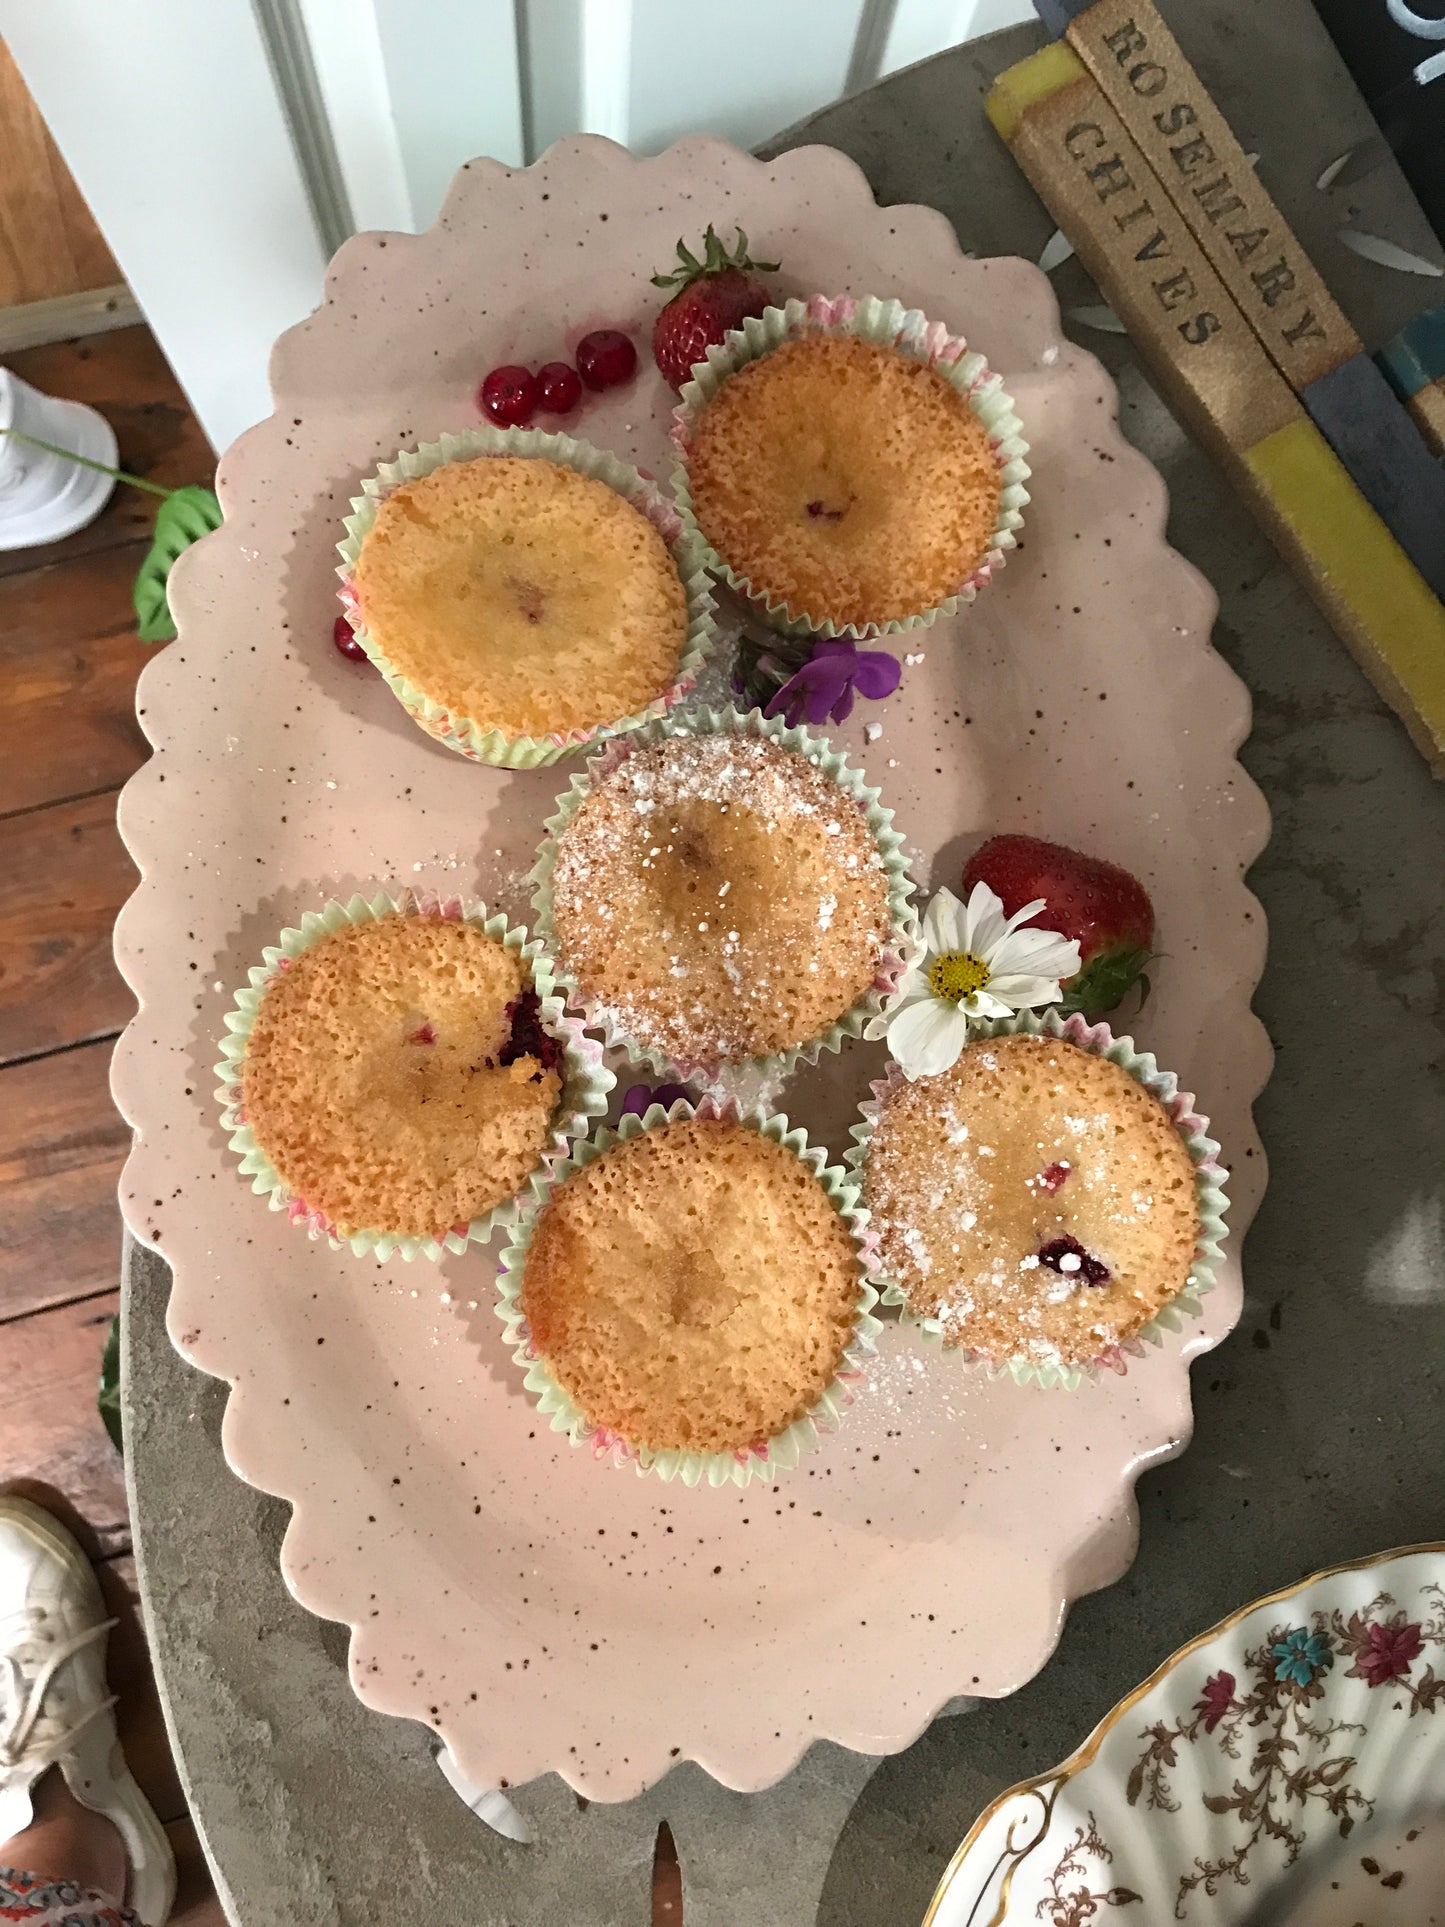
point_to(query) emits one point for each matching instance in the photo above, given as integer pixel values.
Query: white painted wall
(772, 62)
(918, 28)
(451, 66)
(200, 150)
(168, 116)
(350, 61)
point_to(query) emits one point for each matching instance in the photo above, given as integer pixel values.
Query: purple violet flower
(640, 1096)
(827, 683)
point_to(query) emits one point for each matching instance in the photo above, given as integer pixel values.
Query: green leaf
(109, 1399)
(1105, 981)
(716, 257)
(185, 516)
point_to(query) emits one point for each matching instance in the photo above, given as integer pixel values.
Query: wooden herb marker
(1187, 142)
(1414, 365)
(1207, 175)
(1077, 151)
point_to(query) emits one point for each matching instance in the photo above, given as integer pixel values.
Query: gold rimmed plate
(1291, 1757)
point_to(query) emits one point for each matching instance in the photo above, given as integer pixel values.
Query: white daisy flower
(977, 963)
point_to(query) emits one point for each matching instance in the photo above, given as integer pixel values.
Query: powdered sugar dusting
(1034, 1200)
(719, 897)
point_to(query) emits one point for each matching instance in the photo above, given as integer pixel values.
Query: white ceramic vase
(43, 496)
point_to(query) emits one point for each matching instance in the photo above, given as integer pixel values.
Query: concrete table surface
(1320, 1424)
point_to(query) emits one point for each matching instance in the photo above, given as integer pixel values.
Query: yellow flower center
(957, 974)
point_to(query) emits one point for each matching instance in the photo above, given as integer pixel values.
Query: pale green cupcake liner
(901, 943)
(1209, 1180)
(461, 733)
(586, 1081)
(894, 326)
(780, 1453)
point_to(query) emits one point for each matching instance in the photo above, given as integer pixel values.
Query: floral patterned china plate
(1286, 1767)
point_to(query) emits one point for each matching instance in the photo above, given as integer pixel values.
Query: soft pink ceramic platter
(539, 1610)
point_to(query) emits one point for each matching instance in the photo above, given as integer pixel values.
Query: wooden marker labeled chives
(1206, 173)
(1072, 144)
(1199, 164)
(1076, 150)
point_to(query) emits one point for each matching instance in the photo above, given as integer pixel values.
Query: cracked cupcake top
(522, 595)
(397, 1078)
(848, 481)
(693, 1288)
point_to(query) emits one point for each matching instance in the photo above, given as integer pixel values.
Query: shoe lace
(22, 1703)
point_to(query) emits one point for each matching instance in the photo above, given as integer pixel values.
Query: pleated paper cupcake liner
(465, 735)
(1209, 1181)
(901, 944)
(586, 1081)
(894, 326)
(765, 1459)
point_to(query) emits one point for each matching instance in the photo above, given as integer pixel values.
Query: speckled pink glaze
(539, 1610)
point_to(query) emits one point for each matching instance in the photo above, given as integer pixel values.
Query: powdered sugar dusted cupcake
(851, 466)
(721, 889)
(689, 1293)
(397, 1069)
(1040, 1204)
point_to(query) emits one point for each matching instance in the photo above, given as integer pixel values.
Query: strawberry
(713, 295)
(1102, 907)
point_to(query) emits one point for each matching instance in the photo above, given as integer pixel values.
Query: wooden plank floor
(68, 739)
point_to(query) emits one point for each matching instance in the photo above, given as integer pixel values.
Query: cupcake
(689, 1293)
(1042, 1202)
(850, 466)
(397, 1071)
(721, 889)
(525, 600)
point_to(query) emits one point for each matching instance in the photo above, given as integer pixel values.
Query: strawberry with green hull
(1105, 910)
(714, 295)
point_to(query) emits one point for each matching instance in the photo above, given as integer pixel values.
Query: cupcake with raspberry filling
(1044, 1201)
(398, 1068)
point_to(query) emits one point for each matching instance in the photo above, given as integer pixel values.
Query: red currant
(509, 396)
(606, 358)
(345, 639)
(559, 388)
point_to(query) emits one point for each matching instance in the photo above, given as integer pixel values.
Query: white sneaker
(55, 1706)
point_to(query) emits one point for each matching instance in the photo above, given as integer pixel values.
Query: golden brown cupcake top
(523, 595)
(692, 1289)
(720, 898)
(1035, 1198)
(845, 480)
(381, 1076)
